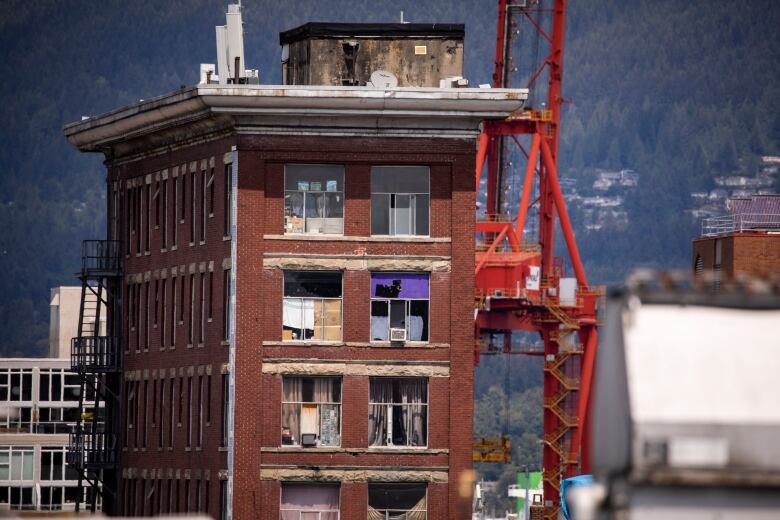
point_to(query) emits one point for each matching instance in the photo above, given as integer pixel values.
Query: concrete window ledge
(343, 238)
(375, 344)
(380, 451)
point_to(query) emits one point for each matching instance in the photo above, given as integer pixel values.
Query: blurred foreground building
(295, 311)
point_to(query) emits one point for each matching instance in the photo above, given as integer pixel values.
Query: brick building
(297, 304)
(746, 241)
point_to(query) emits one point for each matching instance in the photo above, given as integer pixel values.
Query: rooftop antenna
(231, 66)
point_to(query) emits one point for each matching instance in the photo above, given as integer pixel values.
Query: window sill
(201, 345)
(163, 250)
(147, 253)
(375, 449)
(373, 344)
(187, 448)
(173, 248)
(223, 449)
(225, 343)
(189, 345)
(343, 238)
(202, 243)
(192, 244)
(226, 238)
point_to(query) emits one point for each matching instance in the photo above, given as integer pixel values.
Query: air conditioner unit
(308, 440)
(397, 334)
(498, 293)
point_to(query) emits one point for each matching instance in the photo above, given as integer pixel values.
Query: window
(165, 214)
(223, 500)
(227, 197)
(187, 496)
(175, 211)
(183, 206)
(53, 464)
(196, 508)
(172, 402)
(397, 501)
(16, 385)
(400, 200)
(147, 335)
(181, 398)
(202, 328)
(173, 311)
(164, 311)
(208, 400)
(148, 243)
(156, 303)
(211, 295)
(16, 462)
(145, 419)
(203, 206)
(169, 509)
(193, 205)
(226, 305)
(399, 304)
(189, 412)
(309, 501)
(200, 411)
(312, 306)
(190, 336)
(161, 425)
(211, 193)
(181, 299)
(225, 408)
(313, 198)
(398, 412)
(311, 411)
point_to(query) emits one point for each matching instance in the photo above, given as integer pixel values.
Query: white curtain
(297, 499)
(413, 395)
(381, 394)
(292, 394)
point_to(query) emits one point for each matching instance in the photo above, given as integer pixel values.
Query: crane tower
(521, 286)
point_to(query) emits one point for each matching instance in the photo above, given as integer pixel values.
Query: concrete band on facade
(357, 262)
(355, 474)
(357, 368)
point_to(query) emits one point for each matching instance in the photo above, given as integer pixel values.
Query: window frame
(300, 404)
(427, 405)
(319, 512)
(321, 299)
(391, 195)
(305, 192)
(407, 300)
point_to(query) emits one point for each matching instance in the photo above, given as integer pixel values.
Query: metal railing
(713, 226)
(92, 449)
(100, 257)
(95, 354)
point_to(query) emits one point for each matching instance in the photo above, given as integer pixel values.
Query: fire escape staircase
(93, 449)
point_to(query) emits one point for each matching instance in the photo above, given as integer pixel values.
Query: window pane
(396, 496)
(380, 320)
(305, 284)
(314, 177)
(402, 215)
(398, 314)
(399, 285)
(400, 179)
(418, 320)
(380, 214)
(310, 497)
(421, 218)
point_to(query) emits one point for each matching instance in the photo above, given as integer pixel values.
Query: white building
(38, 408)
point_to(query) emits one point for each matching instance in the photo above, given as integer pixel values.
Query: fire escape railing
(93, 447)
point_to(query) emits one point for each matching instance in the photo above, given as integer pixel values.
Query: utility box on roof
(338, 54)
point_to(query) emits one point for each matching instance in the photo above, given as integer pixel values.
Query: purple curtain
(399, 285)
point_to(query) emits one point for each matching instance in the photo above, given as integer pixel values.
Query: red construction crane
(521, 284)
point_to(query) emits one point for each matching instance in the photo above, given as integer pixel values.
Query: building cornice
(311, 110)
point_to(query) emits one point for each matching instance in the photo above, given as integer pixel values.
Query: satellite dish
(383, 79)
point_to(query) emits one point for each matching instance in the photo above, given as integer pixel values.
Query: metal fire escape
(96, 357)
(520, 283)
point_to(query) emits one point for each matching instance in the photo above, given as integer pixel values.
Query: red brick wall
(259, 395)
(756, 254)
(151, 357)
(258, 314)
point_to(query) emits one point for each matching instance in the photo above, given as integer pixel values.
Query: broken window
(314, 199)
(400, 200)
(399, 306)
(397, 501)
(309, 502)
(312, 306)
(311, 411)
(398, 412)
